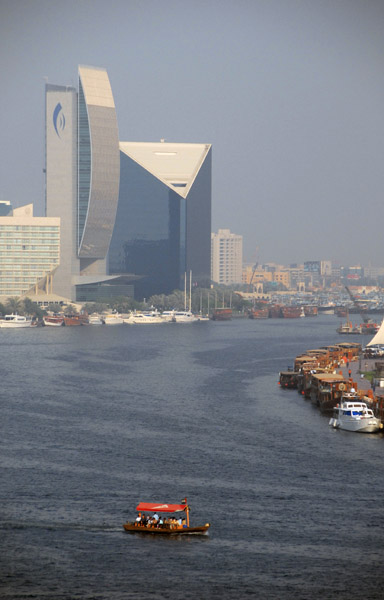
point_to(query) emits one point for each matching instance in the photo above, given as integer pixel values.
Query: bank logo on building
(59, 119)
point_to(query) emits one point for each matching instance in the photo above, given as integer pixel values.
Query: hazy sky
(289, 92)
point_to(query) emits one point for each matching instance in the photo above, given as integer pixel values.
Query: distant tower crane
(253, 271)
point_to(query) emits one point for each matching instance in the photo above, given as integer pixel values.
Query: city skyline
(289, 94)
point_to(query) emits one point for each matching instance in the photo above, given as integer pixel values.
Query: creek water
(96, 419)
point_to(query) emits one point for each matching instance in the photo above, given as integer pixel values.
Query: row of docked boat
(14, 321)
(317, 377)
(149, 317)
(277, 311)
(154, 316)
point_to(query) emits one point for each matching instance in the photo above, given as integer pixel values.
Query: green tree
(14, 306)
(159, 301)
(32, 309)
(54, 307)
(70, 310)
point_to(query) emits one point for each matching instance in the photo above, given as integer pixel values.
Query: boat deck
(132, 528)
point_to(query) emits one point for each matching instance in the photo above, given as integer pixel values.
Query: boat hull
(15, 322)
(371, 426)
(131, 528)
(222, 314)
(15, 325)
(75, 320)
(113, 320)
(53, 321)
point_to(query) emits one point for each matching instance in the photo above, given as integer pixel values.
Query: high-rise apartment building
(226, 257)
(29, 251)
(152, 230)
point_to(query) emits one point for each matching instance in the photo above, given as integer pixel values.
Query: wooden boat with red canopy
(161, 526)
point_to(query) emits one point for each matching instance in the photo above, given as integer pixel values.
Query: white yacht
(113, 319)
(15, 321)
(150, 317)
(353, 415)
(168, 316)
(184, 316)
(95, 319)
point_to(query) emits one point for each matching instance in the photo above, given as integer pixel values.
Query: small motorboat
(164, 526)
(353, 415)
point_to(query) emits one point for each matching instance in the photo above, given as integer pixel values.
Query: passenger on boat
(138, 520)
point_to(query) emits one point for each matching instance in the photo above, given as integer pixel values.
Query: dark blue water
(95, 419)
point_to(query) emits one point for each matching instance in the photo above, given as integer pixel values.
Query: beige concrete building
(226, 257)
(283, 277)
(29, 252)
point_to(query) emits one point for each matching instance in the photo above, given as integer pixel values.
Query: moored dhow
(327, 389)
(259, 313)
(291, 312)
(222, 314)
(53, 320)
(75, 320)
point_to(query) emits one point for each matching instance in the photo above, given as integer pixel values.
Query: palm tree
(13, 305)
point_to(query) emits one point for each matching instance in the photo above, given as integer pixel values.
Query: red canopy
(152, 507)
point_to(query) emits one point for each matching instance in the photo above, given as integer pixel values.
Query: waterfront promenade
(357, 367)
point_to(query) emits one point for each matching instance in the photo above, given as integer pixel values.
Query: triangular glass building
(163, 220)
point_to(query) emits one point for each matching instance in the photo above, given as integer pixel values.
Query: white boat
(168, 316)
(15, 321)
(95, 319)
(150, 317)
(353, 415)
(184, 316)
(113, 319)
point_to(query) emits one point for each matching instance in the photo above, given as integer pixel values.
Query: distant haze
(289, 92)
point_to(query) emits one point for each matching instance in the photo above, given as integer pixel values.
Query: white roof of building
(23, 215)
(176, 165)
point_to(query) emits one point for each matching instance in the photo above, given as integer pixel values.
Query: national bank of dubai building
(132, 215)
